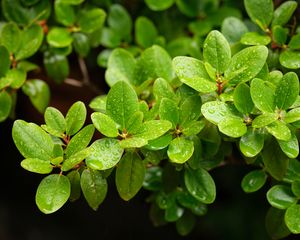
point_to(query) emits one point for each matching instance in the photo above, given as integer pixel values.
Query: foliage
(173, 113)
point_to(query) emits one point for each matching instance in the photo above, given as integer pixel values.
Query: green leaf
(4, 61)
(80, 141)
(10, 37)
(133, 142)
(200, 185)
(233, 127)
(74, 178)
(109, 38)
(5, 105)
(32, 141)
(242, 99)
(75, 159)
(279, 130)
(130, 175)
(71, 2)
(275, 161)
(280, 35)
(217, 111)
(159, 143)
(293, 170)
(75, 118)
(281, 197)
(31, 40)
(135, 122)
(275, 224)
(292, 218)
(120, 21)
(180, 150)
(59, 37)
(262, 95)
(290, 59)
(253, 181)
(91, 20)
(52, 193)
(260, 12)
(154, 62)
(233, 29)
(216, 51)
(246, 64)
(162, 89)
(64, 13)
(193, 127)
(120, 67)
(192, 72)
(104, 124)
(105, 154)
(190, 109)
(295, 42)
(17, 76)
(185, 224)
(81, 44)
(251, 143)
(296, 188)
(287, 91)
(290, 147)
(57, 66)
(121, 103)
(37, 165)
(292, 116)
(283, 13)
(153, 129)
(145, 32)
(264, 120)
(168, 110)
(159, 5)
(254, 38)
(94, 187)
(38, 93)
(55, 119)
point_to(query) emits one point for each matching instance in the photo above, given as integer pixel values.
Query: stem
(84, 71)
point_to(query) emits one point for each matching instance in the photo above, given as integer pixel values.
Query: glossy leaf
(91, 20)
(168, 110)
(81, 44)
(180, 150)
(145, 32)
(283, 13)
(290, 147)
(233, 127)
(37, 165)
(120, 67)
(75, 118)
(253, 181)
(64, 13)
(133, 142)
(159, 5)
(246, 64)
(287, 91)
(105, 154)
(10, 37)
(74, 178)
(264, 120)
(260, 11)
(233, 29)
(121, 103)
(59, 37)
(242, 99)
(279, 130)
(153, 129)
(104, 124)
(262, 95)
(130, 175)
(52, 193)
(94, 187)
(185, 224)
(292, 116)
(200, 185)
(75, 159)
(32, 141)
(216, 51)
(281, 197)
(162, 89)
(275, 224)
(5, 105)
(251, 143)
(193, 73)
(55, 119)
(254, 38)
(292, 218)
(32, 38)
(290, 59)
(80, 141)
